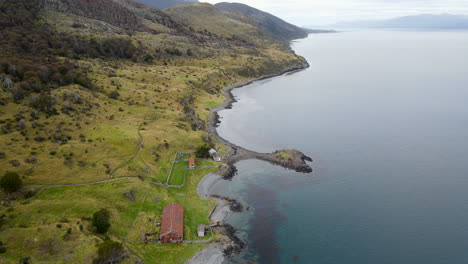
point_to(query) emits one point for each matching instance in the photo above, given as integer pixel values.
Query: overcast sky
(317, 12)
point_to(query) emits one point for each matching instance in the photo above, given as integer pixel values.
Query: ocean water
(384, 115)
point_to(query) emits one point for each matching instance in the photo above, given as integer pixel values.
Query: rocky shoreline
(295, 160)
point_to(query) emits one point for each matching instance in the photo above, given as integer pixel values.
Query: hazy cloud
(314, 12)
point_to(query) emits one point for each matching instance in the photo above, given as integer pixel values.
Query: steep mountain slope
(274, 26)
(96, 97)
(167, 3)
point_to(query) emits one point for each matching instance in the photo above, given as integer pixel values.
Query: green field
(179, 173)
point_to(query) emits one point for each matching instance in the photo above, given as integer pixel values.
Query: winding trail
(139, 146)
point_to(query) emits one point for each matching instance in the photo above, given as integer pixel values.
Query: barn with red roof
(172, 226)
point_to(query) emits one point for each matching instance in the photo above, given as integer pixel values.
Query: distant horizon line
(385, 19)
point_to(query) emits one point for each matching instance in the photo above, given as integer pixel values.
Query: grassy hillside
(93, 109)
(205, 17)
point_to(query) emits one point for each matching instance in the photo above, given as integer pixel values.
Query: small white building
(214, 154)
(201, 230)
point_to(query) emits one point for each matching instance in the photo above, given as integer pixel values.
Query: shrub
(3, 249)
(14, 163)
(114, 95)
(29, 194)
(11, 182)
(101, 221)
(25, 260)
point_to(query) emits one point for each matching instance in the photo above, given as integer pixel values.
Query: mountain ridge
(422, 21)
(162, 4)
(274, 26)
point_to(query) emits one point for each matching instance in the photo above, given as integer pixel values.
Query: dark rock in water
(228, 172)
(296, 258)
(236, 245)
(234, 205)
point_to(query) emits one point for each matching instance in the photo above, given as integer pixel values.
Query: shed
(214, 154)
(191, 163)
(172, 226)
(201, 230)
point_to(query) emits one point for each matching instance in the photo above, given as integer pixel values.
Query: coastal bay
(383, 160)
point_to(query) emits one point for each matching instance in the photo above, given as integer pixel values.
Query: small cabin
(191, 163)
(201, 230)
(172, 226)
(214, 154)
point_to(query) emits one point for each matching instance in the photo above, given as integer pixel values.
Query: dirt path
(139, 147)
(48, 186)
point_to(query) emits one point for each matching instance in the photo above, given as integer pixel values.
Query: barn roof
(172, 220)
(191, 161)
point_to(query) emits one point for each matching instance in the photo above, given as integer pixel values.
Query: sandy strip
(212, 254)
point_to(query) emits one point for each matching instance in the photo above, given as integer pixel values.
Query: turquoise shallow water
(384, 115)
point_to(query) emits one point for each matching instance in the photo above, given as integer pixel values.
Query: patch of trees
(110, 252)
(11, 182)
(100, 221)
(190, 115)
(26, 75)
(105, 10)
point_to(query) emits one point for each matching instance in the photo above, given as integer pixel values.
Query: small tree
(110, 252)
(101, 221)
(11, 182)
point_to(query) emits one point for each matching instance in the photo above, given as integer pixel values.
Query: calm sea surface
(384, 115)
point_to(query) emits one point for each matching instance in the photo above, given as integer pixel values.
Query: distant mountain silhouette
(274, 26)
(166, 3)
(427, 21)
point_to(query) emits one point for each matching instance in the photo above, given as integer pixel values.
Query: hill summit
(167, 3)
